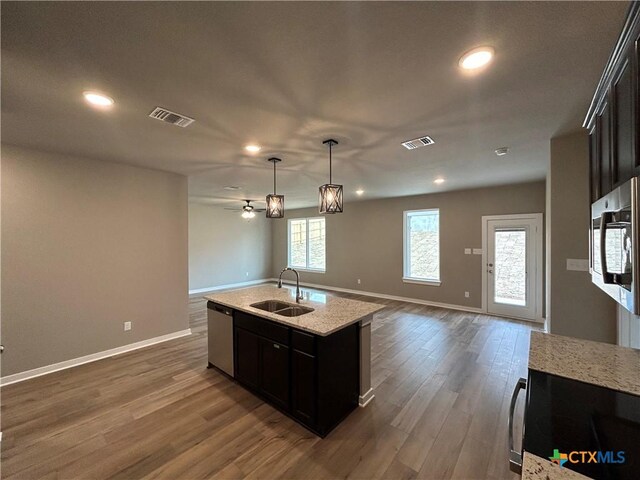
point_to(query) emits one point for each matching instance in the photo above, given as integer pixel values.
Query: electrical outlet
(467, 251)
(466, 294)
(127, 326)
(359, 282)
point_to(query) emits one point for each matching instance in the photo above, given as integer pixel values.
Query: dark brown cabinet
(247, 348)
(311, 378)
(274, 372)
(303, 391)
(613, 120)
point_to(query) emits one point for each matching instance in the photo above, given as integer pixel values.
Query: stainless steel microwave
(614, 260)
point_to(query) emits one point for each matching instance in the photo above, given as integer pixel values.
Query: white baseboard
(74, 362)
(229, 285)
(387, 297)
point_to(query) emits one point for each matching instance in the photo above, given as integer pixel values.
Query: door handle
(515, 458)
(275, 345)
(607, 277)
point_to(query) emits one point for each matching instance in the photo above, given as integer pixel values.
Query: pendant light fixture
(330, 194)
(275, 203)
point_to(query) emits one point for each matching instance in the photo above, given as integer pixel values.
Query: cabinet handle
(515, 458)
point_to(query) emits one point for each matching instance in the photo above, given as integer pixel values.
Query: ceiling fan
(248, 210)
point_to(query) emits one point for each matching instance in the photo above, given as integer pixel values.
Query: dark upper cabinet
(613, 119)
(594, 165)
(603, 126)
(623, 125)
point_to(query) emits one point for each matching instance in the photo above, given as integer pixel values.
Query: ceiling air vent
(173, 118)
(418, 142)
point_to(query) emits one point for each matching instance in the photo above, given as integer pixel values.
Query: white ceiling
(288, 75)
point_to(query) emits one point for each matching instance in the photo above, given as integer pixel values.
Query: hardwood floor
(442, 381)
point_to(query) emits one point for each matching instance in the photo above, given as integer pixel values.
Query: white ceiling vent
(418, 142)
(173, 118)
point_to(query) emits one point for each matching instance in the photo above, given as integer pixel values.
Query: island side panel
(366, 391)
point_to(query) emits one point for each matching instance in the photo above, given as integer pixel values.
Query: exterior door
(514, 266)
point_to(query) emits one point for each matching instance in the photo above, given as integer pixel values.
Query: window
(422, 246)
(307, 244)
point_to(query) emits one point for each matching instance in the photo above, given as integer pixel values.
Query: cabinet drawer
(262, 327)
(304, 342)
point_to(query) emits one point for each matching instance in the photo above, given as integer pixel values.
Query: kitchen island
(311, 360)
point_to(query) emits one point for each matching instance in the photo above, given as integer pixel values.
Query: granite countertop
(330, 313)
(537, 468)
(596, 363)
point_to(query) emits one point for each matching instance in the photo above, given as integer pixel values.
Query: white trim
(385, 296)
(363, 400)
(229, 285)
(433, 283)
(307, 270)
(537, 217)
(37, 372)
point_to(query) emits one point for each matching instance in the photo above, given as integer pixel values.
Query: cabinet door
(274, 371)
(303, 391)
(622, 126)
(594, 165)
(247, 361)
(603, 127)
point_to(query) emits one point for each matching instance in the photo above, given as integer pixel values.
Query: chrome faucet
(298, 292)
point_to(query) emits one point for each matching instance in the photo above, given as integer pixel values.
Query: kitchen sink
(281, 308)
(293, 311)
(270, 305)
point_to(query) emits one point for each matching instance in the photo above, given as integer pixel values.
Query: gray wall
(225, 248)
(366, 241)
(577, 307)
(86, 246)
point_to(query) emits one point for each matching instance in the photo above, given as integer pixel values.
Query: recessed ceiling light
(359, 191)
(253, 148)
(439, 181)
(502, 151)
(98, 99)
(476, 58)
(231, 187)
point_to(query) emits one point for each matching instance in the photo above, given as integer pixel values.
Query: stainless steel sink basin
(270, 305)
(293, 311)
(282, 308)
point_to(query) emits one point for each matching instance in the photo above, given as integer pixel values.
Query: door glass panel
(510, 267)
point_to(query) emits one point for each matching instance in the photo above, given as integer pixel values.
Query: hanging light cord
(330, 145)
(274, 178)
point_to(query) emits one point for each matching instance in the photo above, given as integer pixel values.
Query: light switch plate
(477, 251)
(578, 264)
(467, 251)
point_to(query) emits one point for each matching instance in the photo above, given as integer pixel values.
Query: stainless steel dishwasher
(220, 335)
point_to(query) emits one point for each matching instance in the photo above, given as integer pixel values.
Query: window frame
(306, 268)
(406, 278)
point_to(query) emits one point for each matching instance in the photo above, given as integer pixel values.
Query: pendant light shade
(275, 203)
(330, 193)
